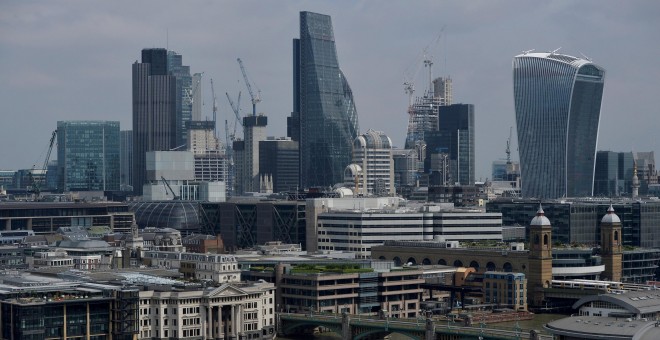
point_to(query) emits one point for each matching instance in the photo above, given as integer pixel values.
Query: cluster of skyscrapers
(557, 111)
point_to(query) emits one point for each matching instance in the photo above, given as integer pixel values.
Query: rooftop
(596, 327)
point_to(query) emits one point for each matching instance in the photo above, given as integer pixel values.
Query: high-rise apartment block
(324, 120)
(154, 110)
(557, 100)
(88, 155)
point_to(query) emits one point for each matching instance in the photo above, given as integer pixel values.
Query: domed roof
(540, 218)
(373, 140)
(610, 217)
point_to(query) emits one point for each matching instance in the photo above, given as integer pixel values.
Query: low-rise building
(506, 289)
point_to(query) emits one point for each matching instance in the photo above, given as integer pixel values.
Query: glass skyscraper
(324, 120)
(557, 100)
(88, 155)
(154, 111)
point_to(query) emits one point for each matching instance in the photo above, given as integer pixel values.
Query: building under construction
(423, 111)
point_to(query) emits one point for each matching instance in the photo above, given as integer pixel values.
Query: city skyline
(89, 48)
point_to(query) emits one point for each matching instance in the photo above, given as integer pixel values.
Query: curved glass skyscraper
(557, 101)
(324, 120)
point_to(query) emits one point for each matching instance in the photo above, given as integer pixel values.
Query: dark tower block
(540, 258)
(610, 245)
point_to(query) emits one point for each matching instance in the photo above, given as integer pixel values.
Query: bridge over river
(367, 327)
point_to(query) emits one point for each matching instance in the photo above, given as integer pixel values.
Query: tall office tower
(238, 148)
(454, 138)
(557, 100)
(442, 88)
(279, 158)
(210, 160)
(126, 160)
(613, 174)
(154, 111)
(196, 96)
(372, 151)
(254, 130)
(184, 99)
(324, 120)
(88, 155)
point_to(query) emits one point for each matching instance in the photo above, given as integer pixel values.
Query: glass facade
(184, 95)
(579, 221)
(154, 110)
(557, 100)
(88, 155)
(324, 110)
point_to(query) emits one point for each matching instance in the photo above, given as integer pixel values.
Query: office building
(574, 221)
(211, 163)
(240, 228)
(324, 120)
(47, 217)
(126, 160)
(184, 99)
(372, 151)
(279, 158)
(613, 174)
(557, 100)
(88, 155)
(646, 172)
(154, 111)
(450, 149)
(254, 130)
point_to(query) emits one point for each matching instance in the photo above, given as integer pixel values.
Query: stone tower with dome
(540, 258)
(610, 245)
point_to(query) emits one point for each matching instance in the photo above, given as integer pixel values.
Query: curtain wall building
(557, 100)
(324, 120)
(154, 110)
(372, 151)
(88, 155)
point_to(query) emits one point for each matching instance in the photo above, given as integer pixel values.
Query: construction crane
(175, 196)
(425, 59)
(36, 185)
(237, 110)
(255, 99)
(508, 146)
(215, 110)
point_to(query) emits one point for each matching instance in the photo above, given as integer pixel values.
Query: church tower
(540, 258)
(635, 182)
(610, 245)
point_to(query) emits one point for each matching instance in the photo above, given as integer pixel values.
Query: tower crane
(255, 99)
(36, 185)
(236, 108)
(215, 110)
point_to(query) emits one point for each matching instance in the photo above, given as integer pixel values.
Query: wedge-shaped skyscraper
(324, 120)
(557, 100)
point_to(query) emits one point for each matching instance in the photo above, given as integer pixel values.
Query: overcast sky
(71, 60)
